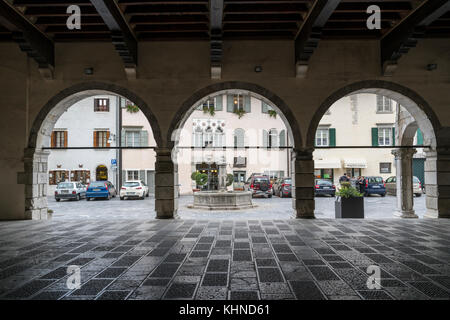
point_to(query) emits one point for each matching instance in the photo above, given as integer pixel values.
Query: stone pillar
(405, 200)
(35, 179)
(303, 183)
(166, 185)
(437, 187)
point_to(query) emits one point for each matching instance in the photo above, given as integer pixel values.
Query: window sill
(385, 112)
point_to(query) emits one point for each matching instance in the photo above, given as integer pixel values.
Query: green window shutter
(124, 176)
(283, 138)
(380, 103)
(218, 105)
(265, 138)
(419, 137)
(374, 137)
(229, 103)
(264, 107)
(247, 105)
(332, 134)
(144, 138)
(122, 137)
(393, 136)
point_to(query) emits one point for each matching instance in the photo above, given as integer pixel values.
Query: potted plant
(132, 108)
(200, 180)
(209, 110)
(349, 202)
(239, 112)
(272, 113)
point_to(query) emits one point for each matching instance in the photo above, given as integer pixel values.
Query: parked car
(70, 190)
(373, 185)
(260, 186)
(391, 186)
(100, 189)
(324, 187)
(282, 188)
(134, 189)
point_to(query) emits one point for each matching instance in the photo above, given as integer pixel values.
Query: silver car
(70, 190)
(391, 186)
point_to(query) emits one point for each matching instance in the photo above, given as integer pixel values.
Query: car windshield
(261, 179)
(131, 184)
(65, 185)
(288, 181)
(416, 180)
(323, 183)
(375, 180)
(98, 184)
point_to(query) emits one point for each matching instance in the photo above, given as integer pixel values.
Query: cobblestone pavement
(274, 208)
(200, 259)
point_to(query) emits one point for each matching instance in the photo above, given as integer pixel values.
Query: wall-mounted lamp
(431, 66)
(89, 71)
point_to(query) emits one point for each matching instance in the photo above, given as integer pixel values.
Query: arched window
(208, 137)
(198, 137)
(239, 138)
(219, 138)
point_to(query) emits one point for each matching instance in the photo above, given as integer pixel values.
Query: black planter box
(350, 208)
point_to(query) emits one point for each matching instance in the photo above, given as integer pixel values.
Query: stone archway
(35, 175)
(424, 118)
(166, 177)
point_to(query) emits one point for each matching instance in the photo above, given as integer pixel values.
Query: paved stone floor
(201, 259)
(275, 208)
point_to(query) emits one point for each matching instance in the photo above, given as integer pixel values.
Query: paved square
(224, 259)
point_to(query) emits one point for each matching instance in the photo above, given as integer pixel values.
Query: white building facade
(91, 122)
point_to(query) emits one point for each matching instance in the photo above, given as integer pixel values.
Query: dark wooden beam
(215, 21)
(122, 35)
(30, 39)
(310, 33)
(406, 33)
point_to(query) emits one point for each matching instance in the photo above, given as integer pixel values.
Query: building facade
(357, 120)
(91, 122)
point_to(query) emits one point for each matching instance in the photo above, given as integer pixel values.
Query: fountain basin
(222, 200)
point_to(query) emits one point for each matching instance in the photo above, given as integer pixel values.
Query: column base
(167, 216)
(298, 215)
(406, 214)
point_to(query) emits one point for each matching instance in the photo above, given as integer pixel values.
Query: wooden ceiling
(242, 19)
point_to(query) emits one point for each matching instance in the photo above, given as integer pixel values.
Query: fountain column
(222, 177)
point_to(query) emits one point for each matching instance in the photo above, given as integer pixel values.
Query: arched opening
(402, 123)
(102, 140)
(229, 124)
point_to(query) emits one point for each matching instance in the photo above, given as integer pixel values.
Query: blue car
(100, 189)
(373, 185)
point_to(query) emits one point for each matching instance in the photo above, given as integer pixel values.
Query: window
(208, 138)
(57, 176)
(265, 107)
(282, 137)
(132, 138)
(385, 167)
(211, 102)
(59, 139)
(384, 104)
(238, 102)
(239, 162)
(273, 138)
(84, 176)
(101, 139)
(133, 175)
(239, 138)
(198, 137)
(384, 136)
(322, 137)
(219, 138)
(101, 105)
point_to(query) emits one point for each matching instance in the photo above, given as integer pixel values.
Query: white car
(70, 190)
(134, 189)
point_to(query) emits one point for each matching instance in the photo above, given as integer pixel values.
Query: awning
(355, 163)
(327, 164)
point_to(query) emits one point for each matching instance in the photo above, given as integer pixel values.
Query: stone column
(222, 177)
(303, 183)
(35, 179)
(437, 187)
(166, 185)
(405, 200)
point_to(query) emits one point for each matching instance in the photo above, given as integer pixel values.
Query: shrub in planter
(200, 179)
(349, 202)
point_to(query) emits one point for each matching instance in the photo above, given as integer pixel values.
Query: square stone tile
(270, 275)
(215, 280)
(181, 291)
(244, 295)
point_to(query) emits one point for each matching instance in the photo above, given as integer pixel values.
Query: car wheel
(148, 194)
(270, 196)
(383, 195)
(78, 197)
(366, 194)
(57, 200)
(121, 198)
(418, 195)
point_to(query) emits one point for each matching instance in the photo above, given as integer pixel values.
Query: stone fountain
(222, 199)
